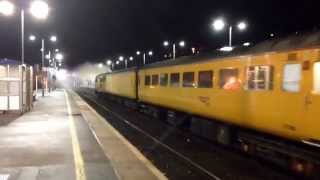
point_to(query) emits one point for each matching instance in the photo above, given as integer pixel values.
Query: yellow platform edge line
(132, 148)
(78, 159)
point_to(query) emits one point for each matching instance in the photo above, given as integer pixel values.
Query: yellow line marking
(131, 147)
(78, 159)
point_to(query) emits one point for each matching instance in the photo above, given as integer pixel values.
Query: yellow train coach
(120, 83)
(271, 89)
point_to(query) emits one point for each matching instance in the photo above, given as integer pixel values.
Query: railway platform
(63, 138)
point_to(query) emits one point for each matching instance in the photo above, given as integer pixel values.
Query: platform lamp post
(39, 9)
(219, 25)
(174, 51)
(144, 55)
(52, 39)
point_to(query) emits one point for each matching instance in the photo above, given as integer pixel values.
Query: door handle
(307, 99)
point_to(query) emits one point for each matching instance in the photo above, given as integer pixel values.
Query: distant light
(100, 65)
(150, 53)
(39, 9)
(53, 38)
(166, 43)
(271, 35)
(56, 50)
(218, 24)
(226, 49)
(60, 64)
(59, 57)
(121, 58)
(6, 8)
(48, 56)
(32, 38)
(117, 62)
(131, 58)
(182, 43)
(246, 44)
(242, 26)
(109, 62)
(138, 52)
(193, 50)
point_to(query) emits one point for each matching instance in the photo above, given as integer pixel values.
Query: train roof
(296, 41)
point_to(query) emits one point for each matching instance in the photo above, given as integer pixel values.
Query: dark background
(92, 30)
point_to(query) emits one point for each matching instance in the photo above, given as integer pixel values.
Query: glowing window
(205, 79)
(316, 77)
(155, 80)
(188, 79)
(292, 77)
(163, 79)
(259, 78)
(229, 79)
(175, 80)
(147, 80)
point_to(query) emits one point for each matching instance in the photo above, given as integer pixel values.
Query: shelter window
(316, 77)
(163, 79)
(259, 78)
(188, 79)
(175, 80)
(205, 79)
(147, 81)
(292, 77)
(155, 80)
(229, 79)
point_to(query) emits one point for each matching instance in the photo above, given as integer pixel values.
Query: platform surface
(64, 138)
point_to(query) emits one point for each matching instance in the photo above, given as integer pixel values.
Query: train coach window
(292, 77)
(163, 79)
(316, 77)
(229, 79)
(155, 80)
(205, 79)
(175, 80)
(147, 81)
(188, 79)
(259, 78)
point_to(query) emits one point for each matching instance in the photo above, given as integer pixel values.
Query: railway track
(179, 154)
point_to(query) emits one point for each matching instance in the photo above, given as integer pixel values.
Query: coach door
(312, 102)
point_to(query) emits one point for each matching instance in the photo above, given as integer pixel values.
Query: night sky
(91, 30)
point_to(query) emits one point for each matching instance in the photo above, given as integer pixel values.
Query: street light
(121, 58)
(219, 24)
(150, 53)
(59, 57)
(32, 38)
(6, 8)
(53, 38)
(109, 62)
(131, 58)
(181, 44)
(39, 9)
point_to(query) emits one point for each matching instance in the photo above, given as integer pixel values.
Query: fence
(16, 88)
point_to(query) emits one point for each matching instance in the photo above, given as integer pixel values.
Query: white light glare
(131, 58)
(242, 26)
(182, 43)
(6, 8)
(32, 38)
(109, 62)
(121, 58)
(100, 65)
(218, 24)
(47, 56)
(53, 38)
(39, 9)
(117, 62)
(150, 53)
(166, 43)
(246, 44)
(226, 49)
(138, 52)
(59, 57)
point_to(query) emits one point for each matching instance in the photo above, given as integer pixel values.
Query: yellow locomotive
(272, 88)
